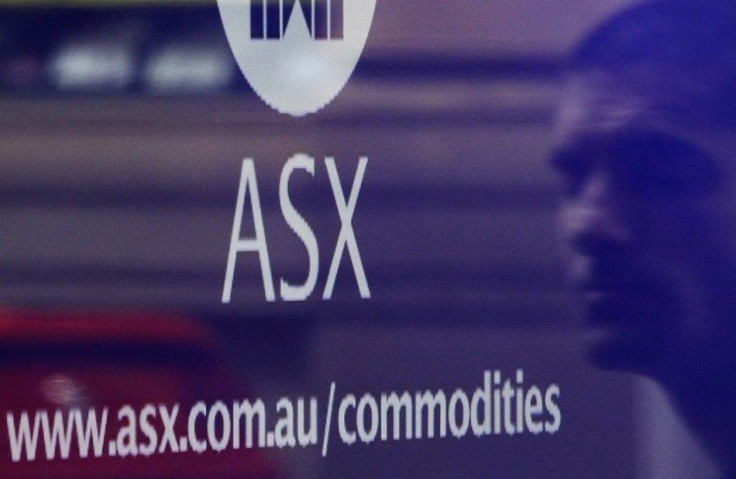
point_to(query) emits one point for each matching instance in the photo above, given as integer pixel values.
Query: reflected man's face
(649, 221)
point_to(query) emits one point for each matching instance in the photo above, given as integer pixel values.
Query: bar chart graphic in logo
(269, 19)
(297, 54)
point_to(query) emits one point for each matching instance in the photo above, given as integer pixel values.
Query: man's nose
(594, 218)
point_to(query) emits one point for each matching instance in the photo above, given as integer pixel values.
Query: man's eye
(665, 166)
(574, 169)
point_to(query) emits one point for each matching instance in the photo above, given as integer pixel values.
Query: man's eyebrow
(651, 138)
(670, 146)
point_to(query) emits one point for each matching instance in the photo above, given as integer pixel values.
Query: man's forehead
(600, 104)
(599, 111)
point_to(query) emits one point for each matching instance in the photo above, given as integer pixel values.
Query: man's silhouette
(647, 151)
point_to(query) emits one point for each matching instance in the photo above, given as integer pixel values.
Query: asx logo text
(258, 245)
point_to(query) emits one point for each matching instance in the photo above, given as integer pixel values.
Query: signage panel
(310, 239)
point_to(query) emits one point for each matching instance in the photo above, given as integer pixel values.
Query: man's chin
(612, 350)
(625, 332)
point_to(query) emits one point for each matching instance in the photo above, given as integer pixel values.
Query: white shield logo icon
(297, 54)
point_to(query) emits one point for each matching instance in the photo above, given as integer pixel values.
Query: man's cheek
(715, 232)
(685, 295)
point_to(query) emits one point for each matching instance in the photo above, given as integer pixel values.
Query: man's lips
(608, 307)
(626, 308)
(596, 275)
(607, 275)
(600, 295)
(604, 288)
(614, 293)
(632, 288)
